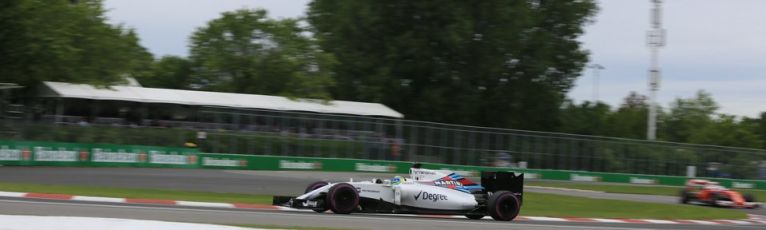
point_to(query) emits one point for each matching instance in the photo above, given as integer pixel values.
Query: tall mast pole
(655, 40)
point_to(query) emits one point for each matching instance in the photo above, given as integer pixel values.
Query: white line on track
(12, 194)
(660, 221)
(204, 204)
(542, 218)
(99, 199)
(735, 221)
(703, 222)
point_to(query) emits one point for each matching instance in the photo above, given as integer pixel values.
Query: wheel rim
(345, 198)
(507, 207)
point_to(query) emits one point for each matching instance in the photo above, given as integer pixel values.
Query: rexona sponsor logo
(578, 177)
(157, 157)
(742, 185)
(101, 155)
(287, 164)
(223, 162)
(423, 195)
(374, 168)
(8, 154)
(639, 180)
(47, 154)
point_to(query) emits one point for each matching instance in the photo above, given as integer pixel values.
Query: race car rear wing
(508, 181)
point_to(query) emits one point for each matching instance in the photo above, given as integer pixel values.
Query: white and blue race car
(426, 191)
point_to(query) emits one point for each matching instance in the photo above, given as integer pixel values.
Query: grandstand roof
(205, 98)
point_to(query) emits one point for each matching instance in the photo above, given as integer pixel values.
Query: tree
(629, 121)
(169, 72)
(246, 52)
(498, 63)
(65, 41)
(757, 126)
(686, 115)
(725, 131)
(587, 118)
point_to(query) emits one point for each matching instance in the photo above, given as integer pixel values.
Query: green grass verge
(535, 204)
(629, 189)
(541, 204)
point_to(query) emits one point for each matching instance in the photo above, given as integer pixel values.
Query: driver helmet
(397, 180)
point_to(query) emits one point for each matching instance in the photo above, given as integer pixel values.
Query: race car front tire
(684, 196)
(342, 198)
(503, 206)
(313, 186)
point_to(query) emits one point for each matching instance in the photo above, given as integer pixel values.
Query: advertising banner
(33, 153)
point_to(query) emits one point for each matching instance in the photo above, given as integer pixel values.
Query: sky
(712, 45)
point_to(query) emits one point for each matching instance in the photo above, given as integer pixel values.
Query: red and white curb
(752, 220)
(49, 196)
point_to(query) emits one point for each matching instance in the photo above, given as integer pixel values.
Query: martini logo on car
(638, 180)
(47, 154)
(374, 168)
(741, 185)
(210, 161)
(422, 195)
(286, 164)
(101, 155)
(7, 154)
(578, 177)
(448, 183)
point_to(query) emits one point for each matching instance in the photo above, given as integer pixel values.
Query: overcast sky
(715, 45)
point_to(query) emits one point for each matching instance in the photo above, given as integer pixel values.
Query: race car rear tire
(474, 216)
(503, 206)
(314, 186)
(342, 198)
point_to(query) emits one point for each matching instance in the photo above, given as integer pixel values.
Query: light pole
(596, 68)
(655, 39)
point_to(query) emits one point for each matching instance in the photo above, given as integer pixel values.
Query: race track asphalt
(237, 181)
(306, 219)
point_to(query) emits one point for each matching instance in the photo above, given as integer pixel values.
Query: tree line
(688, 120)
(497, 63)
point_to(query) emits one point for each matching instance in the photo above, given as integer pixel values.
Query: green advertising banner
(142, 156)
(34, 153)
(99, 155)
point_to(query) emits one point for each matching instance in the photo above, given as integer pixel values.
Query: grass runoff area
(535, 204)
(631, 189)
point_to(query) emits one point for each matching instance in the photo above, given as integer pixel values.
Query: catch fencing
(26, 153)
(282, 133)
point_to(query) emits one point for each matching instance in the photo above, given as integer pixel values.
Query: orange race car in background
(707, 192)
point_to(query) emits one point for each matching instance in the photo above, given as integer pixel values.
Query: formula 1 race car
(425, 192)
(707, 192)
